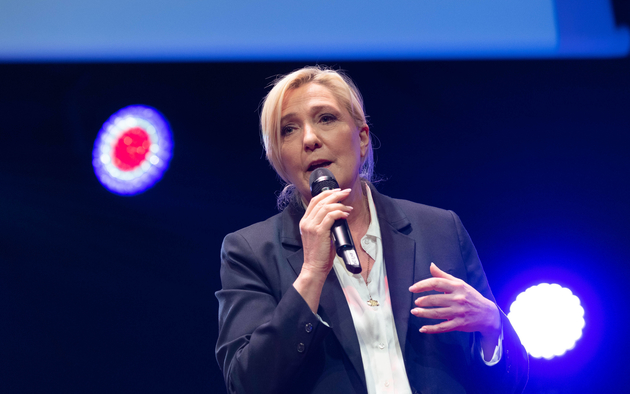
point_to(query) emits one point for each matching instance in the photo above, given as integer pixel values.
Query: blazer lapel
(333, 307)
(399, 254)
(335, 311)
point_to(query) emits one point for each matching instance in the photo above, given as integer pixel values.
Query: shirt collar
(374, 230)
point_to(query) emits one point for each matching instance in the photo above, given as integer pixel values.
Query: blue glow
(156, 157)
(285, 30)
(549, 320)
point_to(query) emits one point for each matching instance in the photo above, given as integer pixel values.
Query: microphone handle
(345, 246)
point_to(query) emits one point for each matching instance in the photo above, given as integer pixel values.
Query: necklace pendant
(372, 302)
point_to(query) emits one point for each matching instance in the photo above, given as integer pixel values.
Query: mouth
(318, 164)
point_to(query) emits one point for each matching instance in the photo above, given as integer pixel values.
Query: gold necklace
(371, 301)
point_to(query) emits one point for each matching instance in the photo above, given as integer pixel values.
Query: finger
(330, 197)
(438, 273)
(330, 218)
(445, 326)
(433, 313)
(334, 195)
(321, 221)
(319, 213)
(434, 300)
(322, 224)
(323, 200)
(437, 284)
(315, 200)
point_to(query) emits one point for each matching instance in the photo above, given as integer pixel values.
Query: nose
(311, 138)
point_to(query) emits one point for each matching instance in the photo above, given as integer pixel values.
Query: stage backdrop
(102, 293)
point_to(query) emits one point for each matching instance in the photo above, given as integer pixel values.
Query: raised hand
(460, 306)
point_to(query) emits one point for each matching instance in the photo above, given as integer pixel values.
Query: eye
(286, 130)
(328, 118)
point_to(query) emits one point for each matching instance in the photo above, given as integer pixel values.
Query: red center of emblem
(131, 149)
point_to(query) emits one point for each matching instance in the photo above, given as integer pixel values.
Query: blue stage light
(132, 150)
(548, 318)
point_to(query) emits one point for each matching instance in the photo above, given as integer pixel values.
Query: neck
(360, 216)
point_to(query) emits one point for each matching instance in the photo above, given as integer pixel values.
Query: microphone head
(322, 179)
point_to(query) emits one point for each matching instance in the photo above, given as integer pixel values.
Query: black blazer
(270, 341)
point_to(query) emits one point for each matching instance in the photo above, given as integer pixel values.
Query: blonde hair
(346, 93)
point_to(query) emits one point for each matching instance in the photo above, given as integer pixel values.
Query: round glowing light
(132, 150)
(548, 319)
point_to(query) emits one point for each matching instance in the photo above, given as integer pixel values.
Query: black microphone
(321, 180)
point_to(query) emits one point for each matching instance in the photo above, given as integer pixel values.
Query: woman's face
(318, 132)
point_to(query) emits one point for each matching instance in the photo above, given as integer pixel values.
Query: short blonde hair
(339, 84)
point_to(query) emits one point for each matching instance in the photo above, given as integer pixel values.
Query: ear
(364, 135)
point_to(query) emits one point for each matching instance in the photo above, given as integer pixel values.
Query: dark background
(103, 293)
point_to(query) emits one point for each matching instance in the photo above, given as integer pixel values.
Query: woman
(289, 324)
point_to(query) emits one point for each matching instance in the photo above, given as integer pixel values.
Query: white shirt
(380, 350)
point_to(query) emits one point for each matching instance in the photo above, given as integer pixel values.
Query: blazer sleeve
(510, 374)
(266, 334)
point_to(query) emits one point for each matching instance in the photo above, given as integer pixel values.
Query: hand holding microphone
(321, 180)
(322, 214)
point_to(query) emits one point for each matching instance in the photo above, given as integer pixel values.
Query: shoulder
(280, 229)
(432, 222)
(400, 212)
(426, 213)
(247, 252)
(265, 225)
(255, 257)
(415, 208)
(258, 232)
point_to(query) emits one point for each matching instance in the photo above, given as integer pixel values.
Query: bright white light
(548, 319)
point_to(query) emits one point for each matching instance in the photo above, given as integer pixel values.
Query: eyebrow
(287, 116)
(314, 109)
